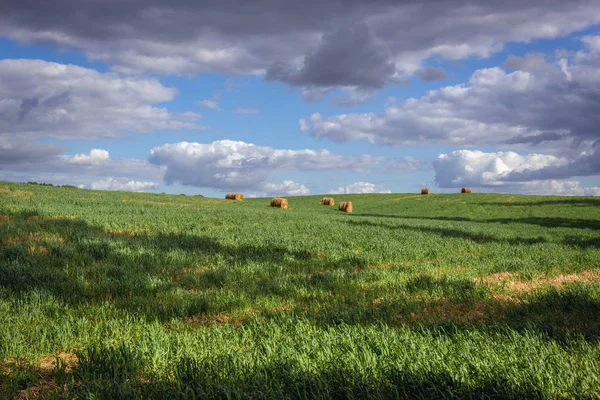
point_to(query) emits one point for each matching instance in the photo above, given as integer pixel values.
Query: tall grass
(120, 295)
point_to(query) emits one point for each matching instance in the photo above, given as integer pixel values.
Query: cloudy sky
(274, 97)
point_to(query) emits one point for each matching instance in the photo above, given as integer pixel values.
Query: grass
(120, 295)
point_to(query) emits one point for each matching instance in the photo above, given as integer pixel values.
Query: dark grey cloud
(350, 56)
(431, 74)
(14, 151)
(353, 97)
(26, 106)
(57, 100)
(557, 105)
(536, 139)
(297, 42)
(529, 62)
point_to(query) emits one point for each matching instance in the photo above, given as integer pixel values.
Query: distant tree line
(49, 184)
(75, 187)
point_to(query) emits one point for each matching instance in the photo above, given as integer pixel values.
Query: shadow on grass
(573, 201)
(137, 273)
(279, 378)
(116, 373)
(557, 314)
(577, 241)
(547, 222)
(453, 233)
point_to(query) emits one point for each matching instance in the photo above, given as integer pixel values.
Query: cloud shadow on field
(573, 201)
(452, 233)
(547, 222)
(577, 241)
(281, 378)
(116, 371)
(82, 264)
(137, 271)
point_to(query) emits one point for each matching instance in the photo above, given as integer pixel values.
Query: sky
(280, 97)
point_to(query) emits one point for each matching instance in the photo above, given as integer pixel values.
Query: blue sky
(375, 98)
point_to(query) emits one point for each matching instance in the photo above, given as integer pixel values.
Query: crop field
(114, 295)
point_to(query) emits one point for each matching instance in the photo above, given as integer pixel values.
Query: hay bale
(279, 202)
(327, 201)
(345, 206)
(425, 191)
(466, 190)
(234, 196)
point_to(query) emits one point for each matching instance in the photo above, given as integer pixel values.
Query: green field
(108, 295)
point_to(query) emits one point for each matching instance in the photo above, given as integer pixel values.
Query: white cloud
(96, 157)
(45, 162)
(227, 164)
(289, 188)
(479, 169)
(554, 187)
(586, 163)
(121, 184)
(499, 171)
(211, 104)
(46, 99)
(506, 169)
(592, 42)
(360, 187)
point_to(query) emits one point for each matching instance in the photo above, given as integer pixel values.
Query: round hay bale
(345, 206)
(327, 201)
(234, 196)
(425, 191)
(348, 207)
(466, 190)
(279, 202)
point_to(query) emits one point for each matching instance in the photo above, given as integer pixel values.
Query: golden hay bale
(327, 201)
(466, 190)
(345, 206)
(234, 196)
(425, 191)
(279, 202)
